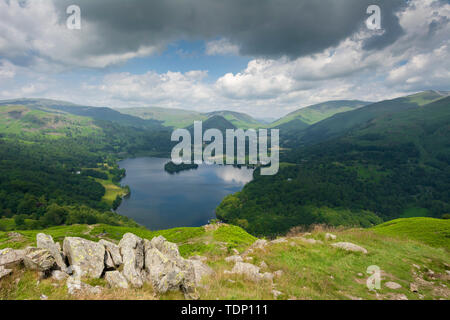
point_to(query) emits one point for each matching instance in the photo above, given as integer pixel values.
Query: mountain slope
(378, 164)
(319, 112)
(177, 118)
(214, 122)
(343, 123)
(30, 121)
(180, 118)
(239, 120)
(95, 113)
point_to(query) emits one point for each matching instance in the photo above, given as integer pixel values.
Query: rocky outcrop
(167, 270)
(157, 262)
(39, 259)
(44, 241)
(132, 251)
(87, 256)
(348, 246)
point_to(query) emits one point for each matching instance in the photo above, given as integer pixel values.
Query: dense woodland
(379, 171)
(359, 168)
(46, 181)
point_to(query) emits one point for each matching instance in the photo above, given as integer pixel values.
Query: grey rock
(263, 265)
(46, 242)
(278, 273)
(4, 272)
(330, 236)
(276, 293)
(113, 257)
(167, 248)
(200, 270)
(132, 251)
(248, 270)
(116, 280)
(279, 240)
(348, 246)
(392, 285)
(168, 271)
(163, 272)
(413, 287)
(234, 259)
(86, 257)
(39, 259)
(267, 276)
(59, 275)
(75, 286)
(10, 258)
(259, 244)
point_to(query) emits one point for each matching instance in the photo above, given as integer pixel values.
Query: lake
(160, 200)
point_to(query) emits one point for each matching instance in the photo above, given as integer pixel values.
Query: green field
(434, 232)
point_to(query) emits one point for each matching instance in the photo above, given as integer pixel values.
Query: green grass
(310, 271)
(191, 241)
(434, 232)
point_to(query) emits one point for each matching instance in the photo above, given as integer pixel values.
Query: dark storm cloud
(260, 27)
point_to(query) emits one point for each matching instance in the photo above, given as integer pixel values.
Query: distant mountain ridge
(95, 113)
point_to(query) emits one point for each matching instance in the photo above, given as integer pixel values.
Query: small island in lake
(173, 168)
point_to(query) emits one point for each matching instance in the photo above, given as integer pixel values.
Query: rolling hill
(344, 123)
(93, 113)
(318, 112)
(239, 120)
(179, 118)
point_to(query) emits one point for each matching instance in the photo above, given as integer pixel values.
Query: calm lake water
(160, 200)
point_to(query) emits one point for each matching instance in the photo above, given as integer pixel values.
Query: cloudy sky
(262, 57)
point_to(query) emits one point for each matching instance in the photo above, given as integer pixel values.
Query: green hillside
(433, 232)
(307, 265)
(94, 113)
(25, 121)
(176, 118)
(318, 112)
(58, 161)
(375, 166)
(214, 122)
(343, 123)
(239, 120)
